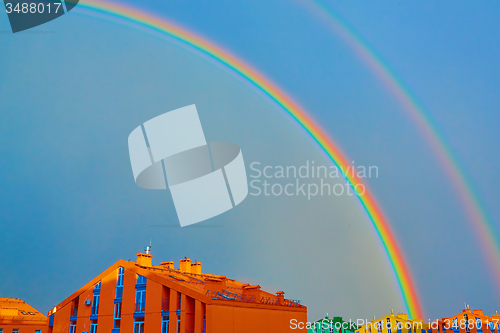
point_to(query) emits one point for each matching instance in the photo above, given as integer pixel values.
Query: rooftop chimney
(145, 260)
(167, 264)
(281, 297)
(185, 266)
(215, 284)
(196, 267)
(252, 291)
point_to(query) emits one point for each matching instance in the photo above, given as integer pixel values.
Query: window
(141, 279)
(74, 308)
(95, 304)
(139, 326)
(72, 327)
(31, 313)
(38, 331)
(398, 326)
(479, 324)
(118, 315)
(389, 328)
(119, 283)
(140, 300)
(455, 324)
(164, 324)
(93, 326)
(178, 324)
(121, 274)
(24, 313)
(467, 328)
(15, 330)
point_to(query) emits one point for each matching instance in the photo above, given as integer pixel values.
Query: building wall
(24, 327)
(83, 322)
(406, 324)
(128, 301)
(235, 319)
(107, 305)
(154, 304)
(476, 321)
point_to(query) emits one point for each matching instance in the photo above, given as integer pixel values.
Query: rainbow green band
(480, 223)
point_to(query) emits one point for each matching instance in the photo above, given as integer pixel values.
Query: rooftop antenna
(148, 248)
(392, 310)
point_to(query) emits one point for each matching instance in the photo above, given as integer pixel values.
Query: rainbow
(141, 19)
(481, 224)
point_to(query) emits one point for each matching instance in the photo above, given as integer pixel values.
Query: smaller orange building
(469, 321)
(16, 316)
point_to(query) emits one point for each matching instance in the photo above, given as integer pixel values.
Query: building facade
(332, 325)
(138, 297)
(16, 316)
(468, 321)
(393, 323)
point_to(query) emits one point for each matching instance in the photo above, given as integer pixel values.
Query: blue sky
(70, 96)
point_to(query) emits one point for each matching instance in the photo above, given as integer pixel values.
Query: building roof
(339, 323)
(475, 313)
(15, 310)
(208, 288)
(400, 317)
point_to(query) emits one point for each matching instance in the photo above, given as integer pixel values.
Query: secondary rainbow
(481, 224)
(147, 20)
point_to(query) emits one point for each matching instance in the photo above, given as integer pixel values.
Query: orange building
(469, 321)
(16, 316)
(140, 297)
